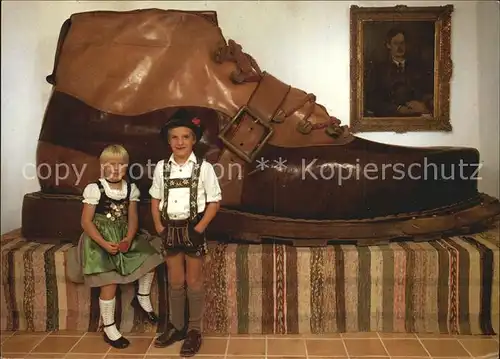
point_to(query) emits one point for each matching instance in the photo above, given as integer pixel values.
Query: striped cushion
(447, 286)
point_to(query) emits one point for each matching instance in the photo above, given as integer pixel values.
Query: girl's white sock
(145, 289)
(107, 308)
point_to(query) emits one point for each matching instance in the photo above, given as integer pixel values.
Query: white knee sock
(145, 288)
(108, 316)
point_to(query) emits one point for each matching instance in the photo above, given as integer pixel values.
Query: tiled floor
(361, 345)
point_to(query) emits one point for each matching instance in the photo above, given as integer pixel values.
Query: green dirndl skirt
(96, 267)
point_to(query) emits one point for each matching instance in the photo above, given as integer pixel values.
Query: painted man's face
(397, 46)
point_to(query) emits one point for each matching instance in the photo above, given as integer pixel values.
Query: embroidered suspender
(191, 183)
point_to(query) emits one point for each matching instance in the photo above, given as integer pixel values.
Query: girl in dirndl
(111, 251)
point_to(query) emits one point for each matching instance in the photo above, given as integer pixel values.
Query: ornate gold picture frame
(401, 68)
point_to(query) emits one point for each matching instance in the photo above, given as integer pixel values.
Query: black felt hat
(183, 118)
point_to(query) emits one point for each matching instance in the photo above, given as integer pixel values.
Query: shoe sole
(464, 217)
(108, 341)
(158, 345)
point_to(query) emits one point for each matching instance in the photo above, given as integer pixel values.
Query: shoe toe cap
(123, 342)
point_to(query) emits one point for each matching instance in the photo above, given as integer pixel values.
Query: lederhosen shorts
(179, 235)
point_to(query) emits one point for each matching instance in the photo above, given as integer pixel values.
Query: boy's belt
(178, 223)
(183, 222)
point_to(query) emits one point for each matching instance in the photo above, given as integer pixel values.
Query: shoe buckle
(246, 155)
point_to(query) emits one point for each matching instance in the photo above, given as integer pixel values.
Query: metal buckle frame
(256, 119)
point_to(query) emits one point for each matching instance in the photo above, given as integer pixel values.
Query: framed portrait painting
(400, 68)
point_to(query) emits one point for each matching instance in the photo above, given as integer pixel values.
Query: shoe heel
(151, 317)
(135, 303)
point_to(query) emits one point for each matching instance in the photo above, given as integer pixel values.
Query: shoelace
(249, 71)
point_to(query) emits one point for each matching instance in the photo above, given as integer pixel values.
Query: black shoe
(170, 336)
(120, 343)
(151, 316)
(192, 344)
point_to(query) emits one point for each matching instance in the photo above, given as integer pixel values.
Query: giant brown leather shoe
(287, 168)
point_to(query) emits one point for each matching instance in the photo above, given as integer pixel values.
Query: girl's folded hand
(111, 248)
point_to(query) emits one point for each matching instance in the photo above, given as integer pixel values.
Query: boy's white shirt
(178, 198)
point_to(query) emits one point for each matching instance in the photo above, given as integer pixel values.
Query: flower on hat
(196, 121)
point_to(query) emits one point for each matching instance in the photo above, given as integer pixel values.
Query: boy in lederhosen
(185, 198)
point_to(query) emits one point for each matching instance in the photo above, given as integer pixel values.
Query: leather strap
(268, 97)
(246, 135)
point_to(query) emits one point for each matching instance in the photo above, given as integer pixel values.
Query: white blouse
(92, 194)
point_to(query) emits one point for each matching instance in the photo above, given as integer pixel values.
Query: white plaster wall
(305, 44)
(488, 67)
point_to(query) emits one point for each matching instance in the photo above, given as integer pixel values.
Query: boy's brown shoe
(192, 344)
(170, 336)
